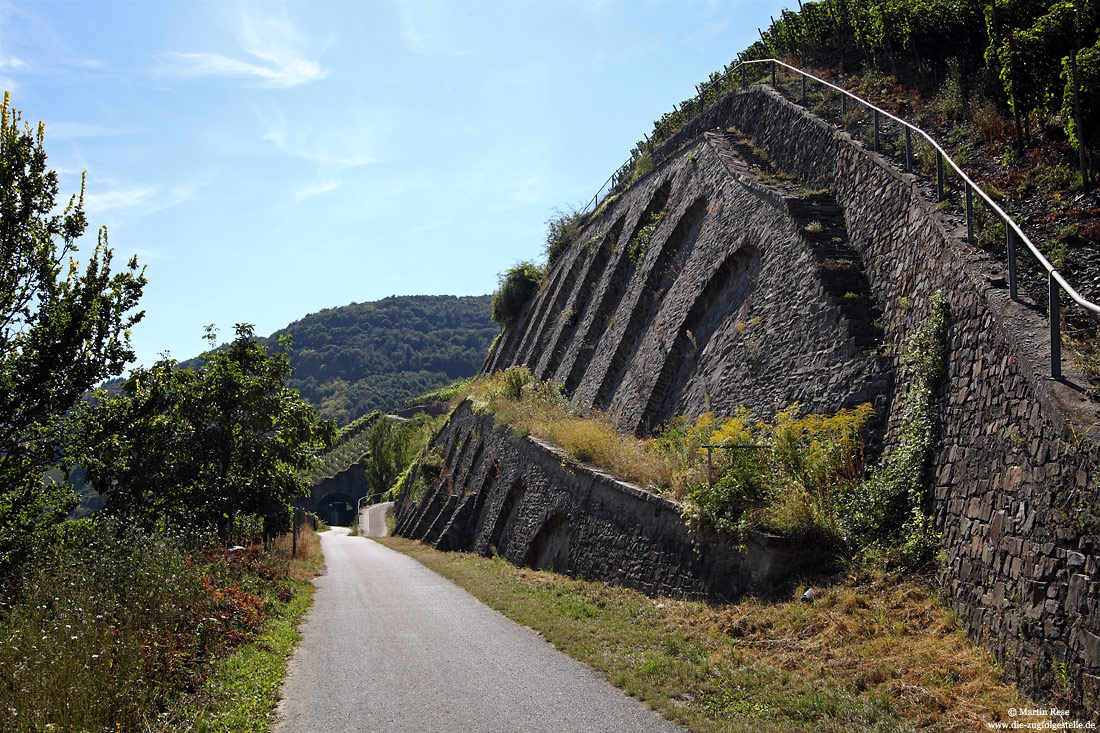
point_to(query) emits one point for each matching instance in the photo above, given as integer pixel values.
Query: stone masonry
(759, 294)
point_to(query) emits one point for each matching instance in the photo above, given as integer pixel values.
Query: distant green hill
(352, 360)
(362, 357)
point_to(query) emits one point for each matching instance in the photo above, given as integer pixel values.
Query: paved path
(372, 520)
(391, 646)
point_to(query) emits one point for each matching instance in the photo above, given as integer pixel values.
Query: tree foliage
(392, 445)
(227, 439)
(1016, 53)
(62, 329)
(352, 360)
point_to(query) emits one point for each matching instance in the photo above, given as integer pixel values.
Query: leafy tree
(228, 439)
(388, 453)
(391, 446)
(352, 360)
(61, 330)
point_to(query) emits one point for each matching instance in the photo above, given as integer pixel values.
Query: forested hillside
(362, 357)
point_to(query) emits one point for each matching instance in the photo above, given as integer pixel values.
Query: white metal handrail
(1013, 232)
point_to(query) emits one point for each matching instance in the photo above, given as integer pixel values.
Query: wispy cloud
(274, 55)
(345, 147)
(119, 198)
(430, 29)
(509, 179)
(10, 63)
(316, 189)
(124, 201)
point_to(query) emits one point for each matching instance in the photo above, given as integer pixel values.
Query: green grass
(443, 394)
(872, 652)
(243, 691)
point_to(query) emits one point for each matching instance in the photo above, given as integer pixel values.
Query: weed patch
(112, 628)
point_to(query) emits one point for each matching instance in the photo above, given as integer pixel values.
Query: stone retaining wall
(731, 262)
(521, 498)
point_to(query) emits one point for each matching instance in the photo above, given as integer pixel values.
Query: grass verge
(242, 691)
(871, 652)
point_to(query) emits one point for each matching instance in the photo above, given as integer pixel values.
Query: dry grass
(872, 652)
(589, 438)
(306, 564)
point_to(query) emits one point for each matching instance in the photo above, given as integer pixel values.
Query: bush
(515, 378)
(643, 165)
(517, 285)
(639, 244)
(721, 506)
(788, 484)
(561, 232)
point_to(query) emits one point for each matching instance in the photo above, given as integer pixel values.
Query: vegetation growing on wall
(802, 476)
(561, 233)
(896, 495)
(348, 448)
(518, 285)
(639, 243)
(392, 447)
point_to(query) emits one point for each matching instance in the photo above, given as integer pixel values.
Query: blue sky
(268, 160)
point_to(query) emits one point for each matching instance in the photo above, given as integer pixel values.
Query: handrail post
(773, 74)
(844, 111)
(969, 214)
(908, 150)
(939, 176)
(874, 146)
(742, 76)
(1010, 241)
(803, 88)
(1055, 327)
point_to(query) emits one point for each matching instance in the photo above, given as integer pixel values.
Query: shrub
(515, 378)
(517, 285)
(788, 485)
(951, 98)
(561, 232)
(606, 204)
(720, 507)
(643, 165)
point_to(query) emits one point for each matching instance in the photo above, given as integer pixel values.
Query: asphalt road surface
(391, 646)
(372, 520)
